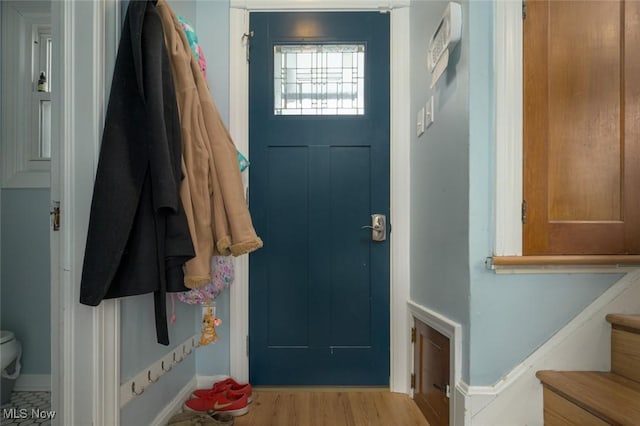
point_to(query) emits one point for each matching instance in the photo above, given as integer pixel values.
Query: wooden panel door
(581, 127)
(431, 369)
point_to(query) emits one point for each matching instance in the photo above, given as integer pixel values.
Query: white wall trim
(107, 360)
(318, 4)
(509, 113)
(85, 356)
(400, 174)
(175, 406)
(106, 332)
(583, 344)
(400, 199)
(239, 130)
(451, 330)
(62, 331)
(462, 415)
(33, 383)
(206, 382)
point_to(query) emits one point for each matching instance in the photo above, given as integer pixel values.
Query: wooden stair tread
(627, 322)
(611, 397)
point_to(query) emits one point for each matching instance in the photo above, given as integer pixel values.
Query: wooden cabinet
(582, 127)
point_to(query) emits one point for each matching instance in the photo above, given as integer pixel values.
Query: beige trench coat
(211, 191)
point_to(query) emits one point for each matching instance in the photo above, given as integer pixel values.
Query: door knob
(444, 389)
(378, 227)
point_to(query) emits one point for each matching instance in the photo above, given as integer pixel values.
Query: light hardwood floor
(286, 407)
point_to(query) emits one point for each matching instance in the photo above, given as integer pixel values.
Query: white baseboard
(33, 383)
(583, 344)
(175, 406)
(204, 382)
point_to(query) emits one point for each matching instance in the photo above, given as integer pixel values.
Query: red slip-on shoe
(229, 385)
(225, 402)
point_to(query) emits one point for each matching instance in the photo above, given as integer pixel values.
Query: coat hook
(167, 369)
(184, 351)
(133, 389)
(150, 379)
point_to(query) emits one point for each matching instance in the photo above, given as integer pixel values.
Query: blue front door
(319, 151)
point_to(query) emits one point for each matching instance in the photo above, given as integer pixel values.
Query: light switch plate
(429, 118)
(420, 122)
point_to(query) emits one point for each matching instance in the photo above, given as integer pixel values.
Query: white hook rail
(136, 386)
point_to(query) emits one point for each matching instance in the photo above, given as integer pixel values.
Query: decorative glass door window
(319, 79)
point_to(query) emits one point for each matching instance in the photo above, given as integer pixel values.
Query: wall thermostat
(444, 39)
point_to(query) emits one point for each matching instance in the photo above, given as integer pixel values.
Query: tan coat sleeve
(234, 232)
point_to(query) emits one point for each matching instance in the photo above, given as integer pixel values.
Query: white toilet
(10, 351)
(9, 348)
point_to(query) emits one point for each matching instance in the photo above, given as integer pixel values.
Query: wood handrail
(581, 260)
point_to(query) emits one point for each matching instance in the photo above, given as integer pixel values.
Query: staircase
(594, 397)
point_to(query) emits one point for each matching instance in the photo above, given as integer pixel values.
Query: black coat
(138, 237)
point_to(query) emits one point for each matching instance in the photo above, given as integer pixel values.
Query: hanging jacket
(138, 238)
(212, 192)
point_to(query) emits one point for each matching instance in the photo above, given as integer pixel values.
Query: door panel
(632, 125)
(580, 137)
(319, 289)
(431, 369)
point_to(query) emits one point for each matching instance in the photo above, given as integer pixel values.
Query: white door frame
(508, 55)
(400, 346)
(85, 340)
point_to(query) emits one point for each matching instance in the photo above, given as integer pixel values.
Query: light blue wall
(212, 27)
(138, 332)
(25, 275)
(440, 177)
(213, 359)
(504, 317)
(184, 8)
